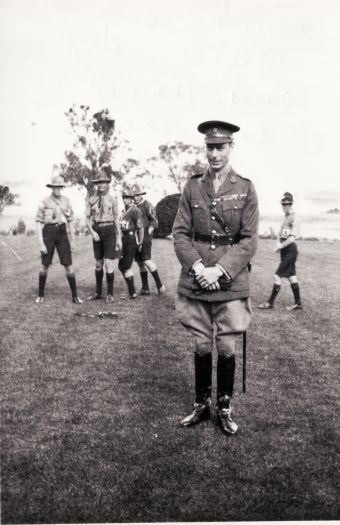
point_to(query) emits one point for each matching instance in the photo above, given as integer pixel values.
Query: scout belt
(216, 239)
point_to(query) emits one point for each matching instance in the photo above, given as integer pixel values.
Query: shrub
(166, 211)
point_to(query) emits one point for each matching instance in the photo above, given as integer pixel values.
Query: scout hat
(287, 198)
(217, 131)
(133, 191)
(101, 177)
(56, 182)
(136, 190)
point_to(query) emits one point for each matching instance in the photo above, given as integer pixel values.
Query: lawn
(91, 407)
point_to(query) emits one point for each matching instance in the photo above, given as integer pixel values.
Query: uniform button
(213, 218)
(196, 205)
(214, 203)
(235, 207)
(213, 246)
(213, 231)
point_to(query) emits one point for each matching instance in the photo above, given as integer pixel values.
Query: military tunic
(236, 202)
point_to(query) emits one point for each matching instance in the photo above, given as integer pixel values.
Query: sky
(270, 66)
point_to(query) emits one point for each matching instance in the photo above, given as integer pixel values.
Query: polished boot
(203, 370)
(225, 387)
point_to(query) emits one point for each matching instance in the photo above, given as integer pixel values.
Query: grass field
(91, 407)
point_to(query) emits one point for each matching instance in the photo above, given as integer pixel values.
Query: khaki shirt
(54, 211)
(148, 213)
(290, 226)
(102, 208)
(236, 202)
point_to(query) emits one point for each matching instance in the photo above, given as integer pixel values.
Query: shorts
(129, 251)
(55, 236)
(105, 248)
(288, 255)
(145, 254)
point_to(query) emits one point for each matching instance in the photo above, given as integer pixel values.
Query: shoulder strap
(213, 210)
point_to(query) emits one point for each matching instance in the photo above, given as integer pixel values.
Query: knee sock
(72, 282)
(42, 282)
(296, 292)
(110, 279)
(99, 281)
(157, 279)
(131, 285)
(225, 375)
(275, 291)
(144, 278)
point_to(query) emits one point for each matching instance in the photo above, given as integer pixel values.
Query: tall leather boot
(203, 372)
(225, 387)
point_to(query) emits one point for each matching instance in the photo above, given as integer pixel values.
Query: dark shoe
(95, 297)
(294, 307)
(226, 423)
(128, 296)
(77, 300)
(224, 415)
(144, 292)
(200, 413)
(39, 300)
(265, 306)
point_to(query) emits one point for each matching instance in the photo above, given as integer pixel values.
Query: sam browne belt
(216, 239)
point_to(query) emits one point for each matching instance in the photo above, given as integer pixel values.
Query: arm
(182, 232)
(152, 216)
(88, 222)
(42, 245)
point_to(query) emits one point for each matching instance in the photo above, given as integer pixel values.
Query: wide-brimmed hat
(217, 131)
(287, 198)
(101, 177)
(136, 190)
(56, 182)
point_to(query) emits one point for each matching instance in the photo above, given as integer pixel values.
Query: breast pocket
(200, 216)
(232, 212)
(50, 215)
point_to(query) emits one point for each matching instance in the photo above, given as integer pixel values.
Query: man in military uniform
(102, 221)
(287, 247)
(55, 230)
(143, 257)
(215, 237)
(132, 237)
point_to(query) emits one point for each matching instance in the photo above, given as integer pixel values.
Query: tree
(182, 161)
(7, 198)
(94, 142)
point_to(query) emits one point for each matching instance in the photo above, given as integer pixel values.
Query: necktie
(216, 183)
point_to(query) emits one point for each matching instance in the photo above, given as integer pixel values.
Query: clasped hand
(208, 278)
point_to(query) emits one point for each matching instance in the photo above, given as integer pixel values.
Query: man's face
(287, 208)
(127, 201)
(102, 187)
(138, 198)
(56, 191)
(218, 155)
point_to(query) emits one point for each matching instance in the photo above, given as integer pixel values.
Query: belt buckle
(214, 240)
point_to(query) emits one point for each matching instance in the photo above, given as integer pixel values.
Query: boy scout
(132, 237)
(102, 222)
(143, 256)
(215, 237)
(54, 217)
(287, 247)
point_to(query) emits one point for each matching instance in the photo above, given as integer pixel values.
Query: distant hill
(333, 210)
